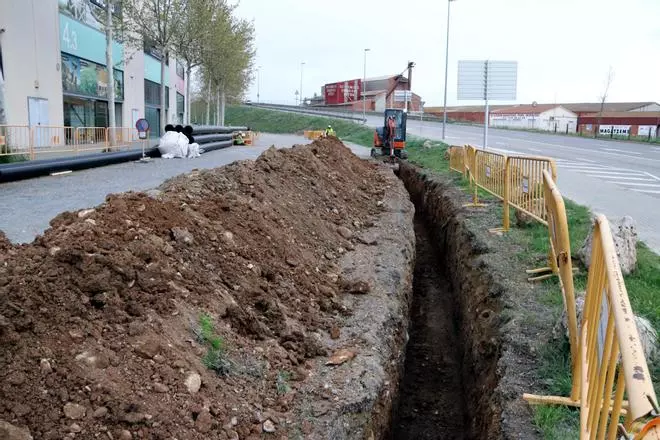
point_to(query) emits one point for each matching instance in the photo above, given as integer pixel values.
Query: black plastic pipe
(209, 139)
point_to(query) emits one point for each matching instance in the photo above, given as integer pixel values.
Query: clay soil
(101, 315)
(432, 397)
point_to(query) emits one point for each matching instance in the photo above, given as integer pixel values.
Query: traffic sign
(142, 126)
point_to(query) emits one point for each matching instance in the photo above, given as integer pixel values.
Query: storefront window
(82, 77)
(152, 93)
(84, 112)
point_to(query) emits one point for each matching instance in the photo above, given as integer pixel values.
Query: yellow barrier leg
(535, 399)
(475, 198)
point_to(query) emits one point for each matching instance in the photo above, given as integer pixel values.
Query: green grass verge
(556, 422)
(271, 121)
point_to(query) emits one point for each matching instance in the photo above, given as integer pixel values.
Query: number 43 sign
(70, 38)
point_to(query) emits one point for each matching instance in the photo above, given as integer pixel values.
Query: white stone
(624, 235)
(193, 382)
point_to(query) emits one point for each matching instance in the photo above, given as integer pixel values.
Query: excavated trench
(450, 382)
(432, 399)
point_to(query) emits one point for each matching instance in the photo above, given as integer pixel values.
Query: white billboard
(487, 80)
(402, 95)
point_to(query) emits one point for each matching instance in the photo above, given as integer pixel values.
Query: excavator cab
(390, 139)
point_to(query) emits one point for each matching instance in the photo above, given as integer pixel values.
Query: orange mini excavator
(390, 139)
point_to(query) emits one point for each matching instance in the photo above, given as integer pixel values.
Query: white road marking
(595, 168)
(588, 167)
(643, 179)
(651, 175)
(654, 185)
(580, 149)
(647, 191)
(610, 173)
(622, 151)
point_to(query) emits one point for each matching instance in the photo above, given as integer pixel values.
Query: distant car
(247, 102)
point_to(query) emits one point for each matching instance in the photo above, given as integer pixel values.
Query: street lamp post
(301, 83)
(258, 82)
(364, 84)
(444, 112)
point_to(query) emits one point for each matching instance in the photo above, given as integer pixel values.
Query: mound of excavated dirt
(100, 318)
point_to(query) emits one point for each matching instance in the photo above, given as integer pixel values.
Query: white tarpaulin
(173, 144)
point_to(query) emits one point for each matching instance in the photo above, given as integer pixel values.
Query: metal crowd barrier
(609, 330)
(561, 263)
(15, 140)
(457, 159)
(525, 186)
(30, 142)
(490, 172)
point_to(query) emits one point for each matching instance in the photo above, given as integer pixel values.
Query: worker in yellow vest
(329, 131)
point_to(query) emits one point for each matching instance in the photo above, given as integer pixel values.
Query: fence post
(31, 148)
(505, 203)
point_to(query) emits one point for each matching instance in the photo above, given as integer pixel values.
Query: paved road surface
(611, 177)
(29, 205)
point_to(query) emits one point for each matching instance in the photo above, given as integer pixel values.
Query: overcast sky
(564, 47)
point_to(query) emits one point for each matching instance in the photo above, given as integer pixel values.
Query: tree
(154, 22)
(195, 30)
(603, 98)
(228, 60)
(109, 34)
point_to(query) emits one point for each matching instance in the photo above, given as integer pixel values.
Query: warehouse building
(52, 63)
(585, 108)
(528, 116)
(545, 117)
(378, 93)
(621, 124)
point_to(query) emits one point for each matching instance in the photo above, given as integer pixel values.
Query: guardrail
(309, 111)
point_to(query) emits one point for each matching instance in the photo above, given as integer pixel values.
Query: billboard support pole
(486, 110)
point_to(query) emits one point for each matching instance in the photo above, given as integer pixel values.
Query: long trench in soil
(431, 396)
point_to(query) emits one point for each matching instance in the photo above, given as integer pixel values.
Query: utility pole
(486, 113)
(301, 83)
(444, 113)
(364, 84)
(258, 82)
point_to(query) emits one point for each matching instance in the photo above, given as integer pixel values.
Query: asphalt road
(611, 177)
(29, 205)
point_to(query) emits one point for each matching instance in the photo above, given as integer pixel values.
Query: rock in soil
(268, 426)
(647, 334)
(11, 432)
(126, 293)
(74, 411)
(193, 383)
(624, 234)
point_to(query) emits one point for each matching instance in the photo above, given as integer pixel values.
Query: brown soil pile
(103, 320)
